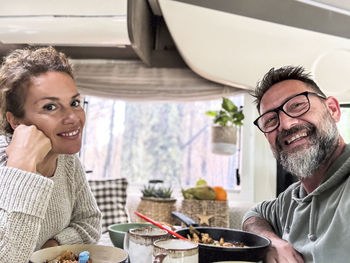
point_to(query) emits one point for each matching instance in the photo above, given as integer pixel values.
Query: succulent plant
(151, 190)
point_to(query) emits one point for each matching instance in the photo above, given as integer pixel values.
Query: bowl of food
(117, 232)
(69, 253)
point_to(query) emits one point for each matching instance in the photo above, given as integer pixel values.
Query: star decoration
(204, 219)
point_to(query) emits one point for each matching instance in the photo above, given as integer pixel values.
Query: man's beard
(303, 162)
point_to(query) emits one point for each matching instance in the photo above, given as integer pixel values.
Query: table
(105, 240)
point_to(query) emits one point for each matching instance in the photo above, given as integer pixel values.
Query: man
(309, 221)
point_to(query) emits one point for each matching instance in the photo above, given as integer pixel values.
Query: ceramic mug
(175, 251)
(138, 243)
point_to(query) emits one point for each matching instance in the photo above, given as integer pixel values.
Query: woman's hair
(278, 75)
(16, 73)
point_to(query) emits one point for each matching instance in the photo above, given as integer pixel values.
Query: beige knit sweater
(34, 208)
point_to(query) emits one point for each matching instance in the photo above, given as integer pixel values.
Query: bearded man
(308, 222)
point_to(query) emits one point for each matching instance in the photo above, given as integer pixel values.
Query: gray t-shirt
(316, 224)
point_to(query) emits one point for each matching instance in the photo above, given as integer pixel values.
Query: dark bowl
(256, 249)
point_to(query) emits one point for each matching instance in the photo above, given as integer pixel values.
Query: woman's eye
(76, 103)
(49, 107)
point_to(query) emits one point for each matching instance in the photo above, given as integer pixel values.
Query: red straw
(159, 225)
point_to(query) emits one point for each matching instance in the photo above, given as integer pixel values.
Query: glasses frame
(280, 108)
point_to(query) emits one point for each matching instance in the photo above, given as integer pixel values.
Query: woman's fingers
(28, 147)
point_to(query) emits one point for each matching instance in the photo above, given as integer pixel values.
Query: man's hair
(275, 76)
(16, 72)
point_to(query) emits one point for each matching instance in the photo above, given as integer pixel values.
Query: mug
(175, 251)
(138, 242)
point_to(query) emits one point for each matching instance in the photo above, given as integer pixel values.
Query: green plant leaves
(211, 113)
(152, 191)
(228, 115)
(228, 105)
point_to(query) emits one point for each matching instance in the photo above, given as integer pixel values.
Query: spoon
(160, 226)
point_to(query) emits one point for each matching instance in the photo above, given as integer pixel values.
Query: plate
(98, 254)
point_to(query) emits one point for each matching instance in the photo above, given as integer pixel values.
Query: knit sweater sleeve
(85, 224)
(24, 198)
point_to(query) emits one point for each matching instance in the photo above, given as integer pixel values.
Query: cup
(138, 243)
(175, 251)
(117, 232)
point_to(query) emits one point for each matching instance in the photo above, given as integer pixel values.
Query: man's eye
(298, 105)
(270, 122)
(76, 103)
(49, 107)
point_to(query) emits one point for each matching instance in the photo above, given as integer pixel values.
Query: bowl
(98, 254)
(117, 232)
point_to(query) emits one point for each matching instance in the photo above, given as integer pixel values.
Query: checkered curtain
(111, 199)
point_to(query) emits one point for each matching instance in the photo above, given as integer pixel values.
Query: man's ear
(12, 120)
(333, 108)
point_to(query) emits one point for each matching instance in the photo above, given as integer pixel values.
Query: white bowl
(98, 254)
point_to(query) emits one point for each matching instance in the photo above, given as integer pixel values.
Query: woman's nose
(70, 117)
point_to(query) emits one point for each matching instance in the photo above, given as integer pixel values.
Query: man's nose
(286, 122)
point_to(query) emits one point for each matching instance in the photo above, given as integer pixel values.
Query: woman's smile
(71, 134)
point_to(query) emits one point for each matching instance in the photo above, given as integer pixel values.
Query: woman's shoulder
(4, 142)
(70, 165)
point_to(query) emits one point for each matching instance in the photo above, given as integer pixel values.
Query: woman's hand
(28, 147)
(50, 243)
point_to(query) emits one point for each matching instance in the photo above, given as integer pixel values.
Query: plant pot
(224, 139)
(158, 209)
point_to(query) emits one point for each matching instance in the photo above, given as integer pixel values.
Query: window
(344, 123)
(143, 141)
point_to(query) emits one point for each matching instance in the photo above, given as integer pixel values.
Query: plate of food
(70, 254)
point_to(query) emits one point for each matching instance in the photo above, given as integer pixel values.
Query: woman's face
(52, 104)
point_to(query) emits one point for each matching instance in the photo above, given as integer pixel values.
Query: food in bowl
(205, 238)
(66, 257)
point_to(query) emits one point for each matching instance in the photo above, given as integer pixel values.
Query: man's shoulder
(294, 187)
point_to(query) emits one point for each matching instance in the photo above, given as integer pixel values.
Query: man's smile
(295, 138)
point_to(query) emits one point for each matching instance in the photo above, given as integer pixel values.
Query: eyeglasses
(294, 107)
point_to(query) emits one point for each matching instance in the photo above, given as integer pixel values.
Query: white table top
(105, 240)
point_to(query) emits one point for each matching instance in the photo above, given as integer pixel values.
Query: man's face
(300, 144)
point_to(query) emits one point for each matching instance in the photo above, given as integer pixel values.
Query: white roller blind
(133, 81)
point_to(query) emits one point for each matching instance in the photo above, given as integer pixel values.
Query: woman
(44, 196)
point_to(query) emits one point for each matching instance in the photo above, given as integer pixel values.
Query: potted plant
(157, 202)
(224, 129)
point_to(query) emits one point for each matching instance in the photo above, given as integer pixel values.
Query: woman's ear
(333, 108)
(12, 120)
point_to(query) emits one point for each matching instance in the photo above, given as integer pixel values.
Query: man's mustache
(295, 129)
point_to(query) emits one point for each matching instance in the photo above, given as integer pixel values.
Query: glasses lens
(268, 121)
(297, 106)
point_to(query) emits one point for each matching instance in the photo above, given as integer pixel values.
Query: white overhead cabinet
(84, 23)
